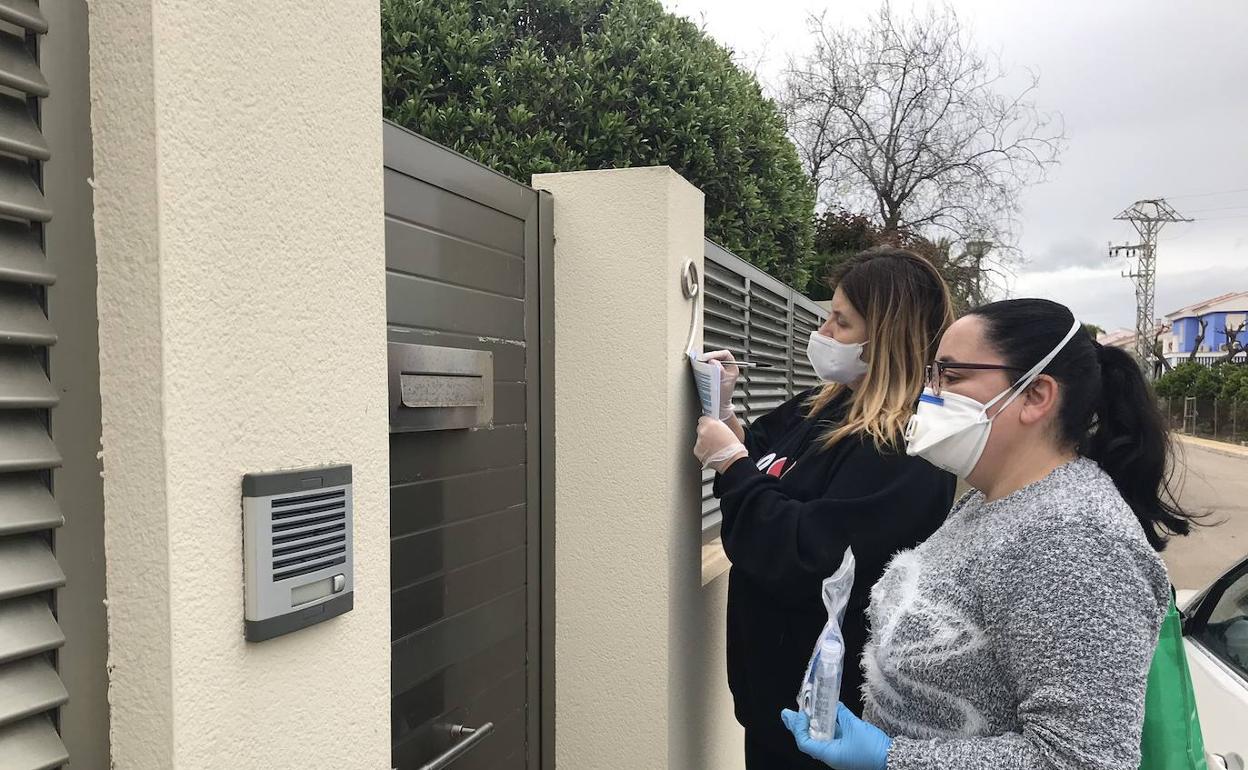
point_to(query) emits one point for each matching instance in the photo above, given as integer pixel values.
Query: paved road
(1217, 483)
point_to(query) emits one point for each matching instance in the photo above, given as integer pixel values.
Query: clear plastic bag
(821, 687)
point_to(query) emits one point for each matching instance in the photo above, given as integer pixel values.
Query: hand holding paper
(708, 377)
(727, 381)
(715, 374)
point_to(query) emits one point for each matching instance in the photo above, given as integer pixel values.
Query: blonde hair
(907, 307)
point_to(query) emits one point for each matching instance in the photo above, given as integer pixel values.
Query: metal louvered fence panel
(31, 691)
(758, 318)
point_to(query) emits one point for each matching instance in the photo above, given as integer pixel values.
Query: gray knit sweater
(1019, 635)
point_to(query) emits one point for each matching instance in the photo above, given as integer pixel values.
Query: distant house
(1219, 315)
(1125, 340)
(1118, 338)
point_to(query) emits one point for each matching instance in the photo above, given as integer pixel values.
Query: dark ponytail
(1107, 410)
(1129, 440)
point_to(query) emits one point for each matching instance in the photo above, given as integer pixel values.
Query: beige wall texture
(639, 641)
(238, 208)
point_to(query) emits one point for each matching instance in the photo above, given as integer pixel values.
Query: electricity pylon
(1148, 217)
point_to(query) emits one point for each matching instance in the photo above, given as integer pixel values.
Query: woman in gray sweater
(1020, 635)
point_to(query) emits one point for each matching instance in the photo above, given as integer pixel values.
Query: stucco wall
(238, 175)
(716, 740)
(639, 641)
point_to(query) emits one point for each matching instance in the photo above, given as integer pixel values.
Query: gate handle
(471, 737)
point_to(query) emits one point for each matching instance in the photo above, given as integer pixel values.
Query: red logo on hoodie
(772, 465)
(777, 467)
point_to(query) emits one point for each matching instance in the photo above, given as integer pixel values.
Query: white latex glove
(728, 381)
(717, 445)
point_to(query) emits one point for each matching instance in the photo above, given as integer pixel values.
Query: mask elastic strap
(1033, 372)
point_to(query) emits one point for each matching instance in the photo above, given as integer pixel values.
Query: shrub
(530, 86)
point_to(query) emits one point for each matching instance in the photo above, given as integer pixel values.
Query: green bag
(1171, 738)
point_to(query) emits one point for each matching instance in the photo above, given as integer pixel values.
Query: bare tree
(1159, 353)
(1233, 346)
(907, 121)
(1202, 327)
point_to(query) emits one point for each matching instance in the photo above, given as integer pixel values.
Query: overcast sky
(1154, 95)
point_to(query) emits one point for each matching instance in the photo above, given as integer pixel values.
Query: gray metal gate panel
(542, 478)
(758, 318)
(464, 250)
(416, 251)
(417, 202)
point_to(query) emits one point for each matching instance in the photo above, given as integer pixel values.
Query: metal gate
(466, 253)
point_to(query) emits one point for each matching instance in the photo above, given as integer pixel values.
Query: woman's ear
(1039, 400)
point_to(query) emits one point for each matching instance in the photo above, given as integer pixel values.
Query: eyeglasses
(935, 373)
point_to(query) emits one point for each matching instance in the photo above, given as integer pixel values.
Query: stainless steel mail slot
(433, 390)
(436, 388)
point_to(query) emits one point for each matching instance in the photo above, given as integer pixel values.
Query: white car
(1215, 634)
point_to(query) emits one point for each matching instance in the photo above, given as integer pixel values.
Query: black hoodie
(789, 512)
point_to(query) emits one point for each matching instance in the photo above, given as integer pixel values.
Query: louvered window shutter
(30, 688)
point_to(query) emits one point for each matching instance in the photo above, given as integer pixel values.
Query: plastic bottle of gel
(821, 687)
(825, 689)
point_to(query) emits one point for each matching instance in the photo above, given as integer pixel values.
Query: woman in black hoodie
(825, 471)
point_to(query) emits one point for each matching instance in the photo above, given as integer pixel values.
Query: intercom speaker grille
(297, 561)
(309, 533)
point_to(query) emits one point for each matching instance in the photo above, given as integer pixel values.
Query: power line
(1208, 194)
(1181, 235)
(1219, 208)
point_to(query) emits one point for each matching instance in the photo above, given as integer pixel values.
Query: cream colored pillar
(238, 211)
(639, 641)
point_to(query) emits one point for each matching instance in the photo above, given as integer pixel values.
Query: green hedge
(1190, 379)
(564, 85)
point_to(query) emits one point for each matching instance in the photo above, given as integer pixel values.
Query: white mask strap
(1033, 372)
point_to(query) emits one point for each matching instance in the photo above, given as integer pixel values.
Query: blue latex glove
(857, 745)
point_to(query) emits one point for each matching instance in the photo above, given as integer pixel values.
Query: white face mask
(950, 431)
(835, 361)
